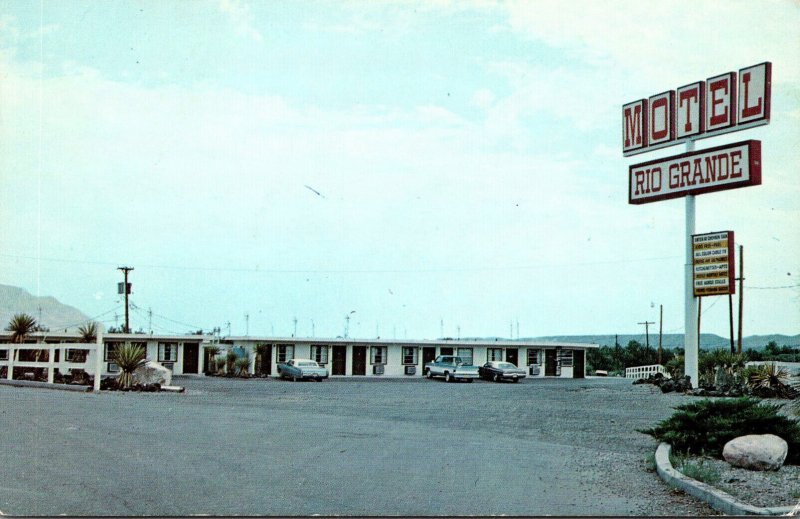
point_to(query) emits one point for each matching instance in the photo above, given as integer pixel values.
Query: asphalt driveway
(346, 446)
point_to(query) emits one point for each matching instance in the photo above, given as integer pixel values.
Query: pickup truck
(452, 368)
(299, 369)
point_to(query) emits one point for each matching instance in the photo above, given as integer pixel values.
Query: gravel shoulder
(758, 488)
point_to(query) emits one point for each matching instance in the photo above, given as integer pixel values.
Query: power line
(353, 271)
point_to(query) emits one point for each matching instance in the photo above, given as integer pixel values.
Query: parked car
(499, 371)
(299, 369)
(452, 368)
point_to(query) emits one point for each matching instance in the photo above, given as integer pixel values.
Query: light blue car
(302, 369)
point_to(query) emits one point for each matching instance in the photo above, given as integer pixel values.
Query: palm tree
(88, 333)
(20, 326)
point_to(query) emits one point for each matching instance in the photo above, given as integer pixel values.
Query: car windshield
(505, 365)
(307, 364)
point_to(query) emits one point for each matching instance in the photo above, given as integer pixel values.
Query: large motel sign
(721, 104)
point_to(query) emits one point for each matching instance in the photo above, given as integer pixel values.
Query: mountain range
(49, 312)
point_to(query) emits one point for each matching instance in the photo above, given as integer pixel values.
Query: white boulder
(152, 372)
(756, 452)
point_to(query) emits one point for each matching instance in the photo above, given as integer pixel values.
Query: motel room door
(428, 355)
(512, 356)
(191, 358)
(339, 360)
(549, 363)
(578, 363)
(359, 360)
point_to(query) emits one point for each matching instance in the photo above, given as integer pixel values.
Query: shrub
(707, 425)
(696, 469)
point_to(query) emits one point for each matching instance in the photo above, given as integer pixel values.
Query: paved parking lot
(344, 446)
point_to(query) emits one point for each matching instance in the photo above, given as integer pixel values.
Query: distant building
(187, 355)
(393, 358)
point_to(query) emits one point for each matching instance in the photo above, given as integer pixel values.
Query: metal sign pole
(690, 342)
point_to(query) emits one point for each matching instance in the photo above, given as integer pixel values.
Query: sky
(427, 169)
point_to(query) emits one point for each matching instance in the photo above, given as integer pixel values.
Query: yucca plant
(127, 357)
(230, 362)
(771, 376)
(243, 366)
(219, 363)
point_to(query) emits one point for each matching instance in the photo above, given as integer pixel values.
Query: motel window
(3, 354)
(319, 354)
(285, 352)
(565, 358)
(111, 347)
(409, 355)
(74, 355)
(466, 355)
(533, 356)
(167, 352)
(378, 355)
(493, 354)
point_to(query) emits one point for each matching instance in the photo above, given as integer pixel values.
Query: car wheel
(447, 377)
(469, 381)
(515, 379)
(428, 373)
(294, 379)
(497, 377)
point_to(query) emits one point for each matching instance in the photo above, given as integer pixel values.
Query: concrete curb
(716, 498)
(45, 385)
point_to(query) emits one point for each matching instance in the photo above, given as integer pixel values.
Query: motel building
(187, 355)
(393, 358)
(179, 353)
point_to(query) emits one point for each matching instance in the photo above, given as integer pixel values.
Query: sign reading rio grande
(721, 104)
(712, 169)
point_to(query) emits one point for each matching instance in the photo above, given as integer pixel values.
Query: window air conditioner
(411, 370)
(377, 369)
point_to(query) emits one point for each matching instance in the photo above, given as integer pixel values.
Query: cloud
(241, 18)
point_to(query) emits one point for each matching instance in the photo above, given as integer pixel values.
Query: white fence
(638, 372)
(94, 353)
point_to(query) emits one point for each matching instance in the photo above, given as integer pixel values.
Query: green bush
(707, 425)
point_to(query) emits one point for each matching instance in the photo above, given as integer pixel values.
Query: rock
(667, 387)
(756, 452)
(152, 372)
(683, 384)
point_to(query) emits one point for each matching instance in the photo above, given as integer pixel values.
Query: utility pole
(741, 295)
(247, 325)
(730, 320)
(313, 332)
(647, 332)
(660, 329)
(295, 327)
(125, 288)
(150, 319)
